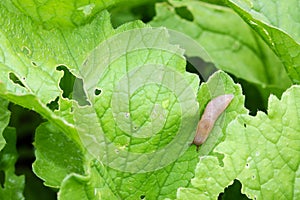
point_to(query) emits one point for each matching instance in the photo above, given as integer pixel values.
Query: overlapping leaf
(262, 152)
(163, 183)
(277, 22)
(227, 39)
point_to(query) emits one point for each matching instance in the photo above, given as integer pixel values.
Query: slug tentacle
(211, 113)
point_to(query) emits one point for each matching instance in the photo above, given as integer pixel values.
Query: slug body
(211, 113)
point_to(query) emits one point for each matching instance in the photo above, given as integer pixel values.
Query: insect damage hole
(15, 79)
(72, 86)
(53, 105)
(33, 64)
(97, 91)
(233, 192)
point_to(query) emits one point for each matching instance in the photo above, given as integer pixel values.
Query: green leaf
(13, 185)
(262, 152)
(229, 42)
(29, 59)
(163, 181)
(138, 114)
(62, 164)
(56, 155)
(4, 120)
(277, 22)
(63, 14)
(93, 186)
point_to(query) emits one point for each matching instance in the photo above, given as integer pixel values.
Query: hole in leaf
(53, 105)
(184, 13)
(25, 122)
(79, 94)
(26, 50)
(72, 86)
(233, 192)
(15, 79)
(2, 178)
(144, 12)
(98, 92)
(254, 99)
(142, 196)
(66, 82)
(198, 66)
(124, 13)
(33, 63)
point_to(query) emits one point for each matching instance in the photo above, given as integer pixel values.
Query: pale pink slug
(211, 113)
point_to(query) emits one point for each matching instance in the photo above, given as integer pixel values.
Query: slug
(211, 113)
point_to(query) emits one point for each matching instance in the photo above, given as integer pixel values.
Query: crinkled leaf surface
(66, 14)
(277, 22)
(30, 55)
(262, 152)
(4, 119)
(163, 183)
(13, 184)
(227, 39)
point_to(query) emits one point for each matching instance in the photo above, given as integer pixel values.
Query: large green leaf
(277, 22)
(30, 57)
(63, 14)
(13, 185)
(230, 43)
(163, 180)
(262, 152)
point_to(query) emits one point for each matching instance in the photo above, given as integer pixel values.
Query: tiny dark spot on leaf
(34, 63)
(142, 196)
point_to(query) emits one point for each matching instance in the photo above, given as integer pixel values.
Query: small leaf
(56, 155)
